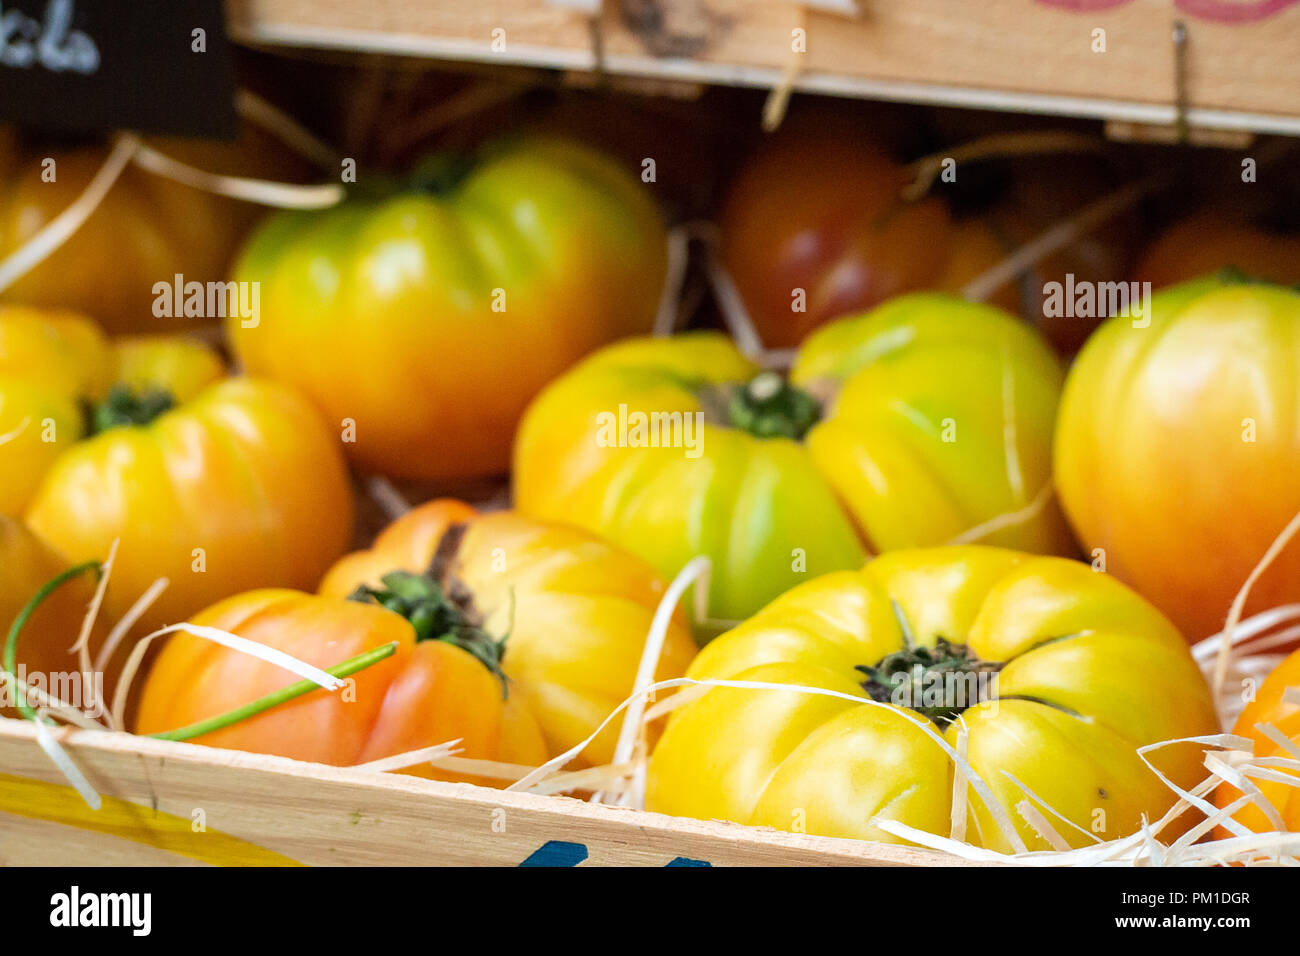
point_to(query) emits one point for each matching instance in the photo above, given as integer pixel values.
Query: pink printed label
(1218, 11)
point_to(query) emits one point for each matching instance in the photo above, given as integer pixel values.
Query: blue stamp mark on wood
(562, 853)
(556, 853)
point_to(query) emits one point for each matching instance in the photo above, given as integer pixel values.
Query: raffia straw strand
(260, 191)
(54, 706)
(233, 641)
(696, 571)
(924, 171)
(1239, 602)
(59, 229)
(54, 750)
(679, 255)
(1008, 519)
(288, 130)
(122, 628)
(385, 494)
(1055, 238)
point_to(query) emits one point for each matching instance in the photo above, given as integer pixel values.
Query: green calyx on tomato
(937, 682)
(128, 406)
(768, 406)
(439, 607)
(441, 173)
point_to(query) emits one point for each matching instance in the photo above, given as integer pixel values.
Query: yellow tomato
(54, 366)
(240, 487)
(574, 610)
(907, 426)
(1057, 674)
(429, 318)
(1177, 447)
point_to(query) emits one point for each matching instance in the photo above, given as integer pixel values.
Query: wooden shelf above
(1242, 56)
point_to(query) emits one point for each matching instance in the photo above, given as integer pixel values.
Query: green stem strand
(11, 642)
(275, 698)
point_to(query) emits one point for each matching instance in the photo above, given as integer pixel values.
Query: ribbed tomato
(907, 426)
(574, 610)
(431, 691)
(56, 367)
(428, 319)
(1056, 673)
(240, 487)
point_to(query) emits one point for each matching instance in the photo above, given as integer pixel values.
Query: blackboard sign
(156, 66)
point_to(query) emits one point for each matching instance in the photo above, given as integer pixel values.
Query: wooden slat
(1031, 55)
(314, 814)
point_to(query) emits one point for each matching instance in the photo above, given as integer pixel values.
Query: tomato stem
(276, 698)
(938, 682)
(439, 607)
(128, 406)
(11, 642)
(770, 407)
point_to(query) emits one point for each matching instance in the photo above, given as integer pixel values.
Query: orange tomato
(1269, 708)
(146, 230)
(429, 692)
(576, 609)
(1177, 443)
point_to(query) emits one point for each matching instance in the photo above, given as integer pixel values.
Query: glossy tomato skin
(55, 364)
(825, 215)
(427, 693)
(576, 610)
(240, 487)
(430, 321)
(1177, 443)
(26, 565)
(1270, 708)
(49, 361)
(146, 230)
(1091, 673)
(911, 449)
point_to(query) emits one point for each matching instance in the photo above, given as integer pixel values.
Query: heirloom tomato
(434, 689)
(49, 363)
(1270, 708)
(44, 657)
(54, 366)
(816, 227)
(147, 228)
(428, 319)
(1177, 445)
(1056, 673)
(241, 486)
(574, 611)
(907, 426)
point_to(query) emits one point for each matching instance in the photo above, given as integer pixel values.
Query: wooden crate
(176, 803)
(1028, 55)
